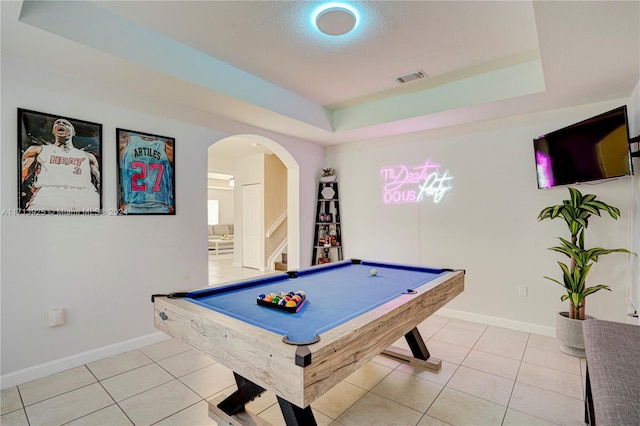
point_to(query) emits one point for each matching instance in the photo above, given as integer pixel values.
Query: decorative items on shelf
(328, 175)
(327, 244)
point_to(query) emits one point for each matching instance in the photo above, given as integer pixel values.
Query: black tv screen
(594, 149)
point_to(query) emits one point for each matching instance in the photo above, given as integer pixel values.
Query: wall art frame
(59, 164)
(146, 173)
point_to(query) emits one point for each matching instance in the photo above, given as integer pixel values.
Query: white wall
(487, 223)
(103, 269)
(226, 211)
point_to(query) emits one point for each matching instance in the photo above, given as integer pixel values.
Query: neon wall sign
(411, 184)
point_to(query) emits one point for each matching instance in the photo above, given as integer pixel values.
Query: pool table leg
(296, 416)
(247, 391)
(419, 353)
(416, 344)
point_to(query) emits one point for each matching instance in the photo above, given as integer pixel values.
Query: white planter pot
(569, 334)
(328, 178)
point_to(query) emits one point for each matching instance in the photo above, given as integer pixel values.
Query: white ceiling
(261, 62)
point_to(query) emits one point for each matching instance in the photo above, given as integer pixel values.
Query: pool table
(351, 314)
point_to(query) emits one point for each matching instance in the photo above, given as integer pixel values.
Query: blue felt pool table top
(336, 293)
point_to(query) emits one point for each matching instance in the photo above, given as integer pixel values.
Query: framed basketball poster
(59, 164)
(146, 174)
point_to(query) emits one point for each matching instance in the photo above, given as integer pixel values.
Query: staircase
(282, 265)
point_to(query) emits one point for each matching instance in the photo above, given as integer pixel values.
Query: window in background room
(213, 212)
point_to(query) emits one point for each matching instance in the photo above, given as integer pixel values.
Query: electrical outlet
(522, 291)
(55, 317)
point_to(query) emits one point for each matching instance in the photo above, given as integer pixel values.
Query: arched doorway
(232, 148)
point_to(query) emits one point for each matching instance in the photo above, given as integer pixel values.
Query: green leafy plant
(576, 213)
(328, 172)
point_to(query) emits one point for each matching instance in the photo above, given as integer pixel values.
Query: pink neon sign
(410, 184)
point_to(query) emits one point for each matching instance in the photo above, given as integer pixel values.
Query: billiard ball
(262, 296)
(301, 293)
(373, 272)
(290, 304)
(267, 298)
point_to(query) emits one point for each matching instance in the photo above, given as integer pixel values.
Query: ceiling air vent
(413, 75)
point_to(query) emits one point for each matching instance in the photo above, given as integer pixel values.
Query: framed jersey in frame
(146, 173)
(59, 164)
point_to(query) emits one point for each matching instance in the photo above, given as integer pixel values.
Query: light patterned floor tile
(408, 390)
(441, 377)
(14, 418)
(557, 381)
(47, 387)
(432, 325)
(369, 375)
(111, 416)
(493, 364)
(335, 402)
(158, 403)
(460, 333)
(69, 406)
(460, 409)
(197, 414)
(374, 410)
(552, 359)
(517, 418)
(10, 400)
(321, 418)
(186, 362)
(165, 349)
(209, 380)
(273, 415)
(447, 351)
(427, 420)
(483, 385)
(543, 342)
(503, 342)
(133, 382)
(117, 364)
(547, 405)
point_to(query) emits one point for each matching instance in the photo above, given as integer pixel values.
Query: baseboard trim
(499, 322)
(76, 360)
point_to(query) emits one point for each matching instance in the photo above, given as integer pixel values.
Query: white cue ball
(374, 272)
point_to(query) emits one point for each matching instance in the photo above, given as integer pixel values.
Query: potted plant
(328, 175)
(576, 212)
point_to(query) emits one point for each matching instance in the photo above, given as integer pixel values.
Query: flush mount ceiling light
(335, 19)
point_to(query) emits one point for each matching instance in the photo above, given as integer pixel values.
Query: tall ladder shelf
(327, 240)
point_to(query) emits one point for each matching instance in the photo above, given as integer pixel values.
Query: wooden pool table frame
(260, 357)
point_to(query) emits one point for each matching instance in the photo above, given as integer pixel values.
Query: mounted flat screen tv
(591, 150)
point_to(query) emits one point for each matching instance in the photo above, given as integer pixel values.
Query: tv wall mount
(635, 153)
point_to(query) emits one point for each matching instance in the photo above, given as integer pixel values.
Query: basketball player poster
(146, 175)
(59, 164)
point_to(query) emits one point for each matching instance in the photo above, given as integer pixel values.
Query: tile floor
(489, 376)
